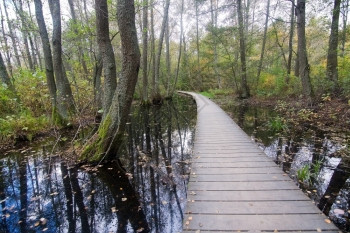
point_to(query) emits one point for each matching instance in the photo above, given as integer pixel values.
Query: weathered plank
(252, 208)
(235, 187)
(296, 222)
(246, 186)
(266, 195)
(199, 169)
(237, 177)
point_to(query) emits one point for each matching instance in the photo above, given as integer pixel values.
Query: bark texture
(65, 101)
(156, 93)
(332, 57)
(5, 78)
(264, 41)
(244, 86)
(290, 43)
(106, 50)
(304, 67)
(50, 78)
(145, 51)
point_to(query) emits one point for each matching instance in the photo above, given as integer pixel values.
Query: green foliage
(23, 123)
(344, 74)
(277, 124)
(308, 173)
(207, 94)
(304, 174)
(32, 91)
(8, 101)
(212, 93)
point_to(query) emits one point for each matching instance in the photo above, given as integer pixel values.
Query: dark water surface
(39, 192)
(317, 160)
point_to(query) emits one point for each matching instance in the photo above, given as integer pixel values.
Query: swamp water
(39, 192)
(317, 160)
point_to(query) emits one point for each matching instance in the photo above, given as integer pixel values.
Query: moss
(94, 149)
(57, 119)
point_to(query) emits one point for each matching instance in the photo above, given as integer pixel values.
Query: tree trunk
(106, 50)
(213, 30)
(12, 35)
(159, 51)
(145, 51)
(47, 53)
(80, 49)
(107, 141)
(167, 56)
(244, 86)
(304, 67)
(180, 46)
(65, 101)
(264, 41)
(4, 77)
(7, 48)
(290, 43)
(153, 51)
(97, 81)
(24, 30)
(199, 76)
(345, 20)
(36, 51)
(332, 57)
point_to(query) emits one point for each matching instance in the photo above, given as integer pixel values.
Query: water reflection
(321, 154)
(39, 192)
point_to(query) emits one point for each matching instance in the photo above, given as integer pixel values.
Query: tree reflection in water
(39, 192)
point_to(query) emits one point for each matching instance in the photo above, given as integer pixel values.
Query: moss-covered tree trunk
(106, 142)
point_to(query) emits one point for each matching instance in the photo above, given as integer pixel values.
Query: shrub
(22, 124)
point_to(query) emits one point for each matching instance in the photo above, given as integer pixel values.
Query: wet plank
(235, 187)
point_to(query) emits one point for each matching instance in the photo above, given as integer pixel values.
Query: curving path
(235, 187)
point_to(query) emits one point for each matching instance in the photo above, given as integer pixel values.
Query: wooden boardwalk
(235, 187)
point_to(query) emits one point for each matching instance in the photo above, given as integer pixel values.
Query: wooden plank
(257, 164)
(196, 170)
(231, 159)
(238, 177)
(297, 222)
(252, 208)
(247, 186)
(266, 195)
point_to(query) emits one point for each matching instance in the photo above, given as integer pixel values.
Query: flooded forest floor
(310, 143)
(43, 190)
